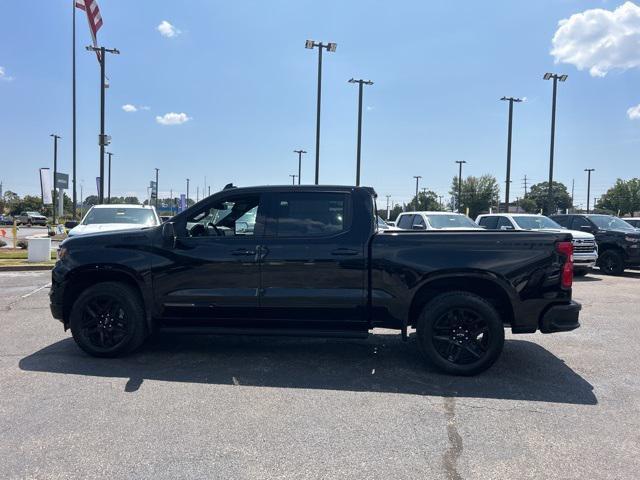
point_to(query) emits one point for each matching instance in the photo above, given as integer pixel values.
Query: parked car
(618, 242)
(104, 218)
(31, 218)
(383, 225)
(6, 220)
(435, 221)
(585, 249)
(633, 221)
(313, 264)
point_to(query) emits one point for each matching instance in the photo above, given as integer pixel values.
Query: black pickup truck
(310, 260)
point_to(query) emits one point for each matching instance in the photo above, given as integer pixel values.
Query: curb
(25, 268)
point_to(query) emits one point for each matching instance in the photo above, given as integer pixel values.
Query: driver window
(230, 217)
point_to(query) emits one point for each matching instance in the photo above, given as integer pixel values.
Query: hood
(574, 233)
(102, 227)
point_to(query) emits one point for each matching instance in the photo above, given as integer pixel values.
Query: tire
(581, 272)
(107, 320)
(611, 262)
(29, 224)
(460, 333)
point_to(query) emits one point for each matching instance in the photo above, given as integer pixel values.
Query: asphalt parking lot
(554, 406)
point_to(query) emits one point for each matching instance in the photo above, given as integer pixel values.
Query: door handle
(243, 252)
(344, 252)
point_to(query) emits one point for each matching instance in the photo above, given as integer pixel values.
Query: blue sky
(241, 75)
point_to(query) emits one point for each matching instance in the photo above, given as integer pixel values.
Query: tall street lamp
(330, 47)
(460, 162)
(360, 84)
(299, 152)
(103, 140)
(555, 77)
(109, 184)
(417, 177)
(55, 171)
(589, 170)
(508, 180)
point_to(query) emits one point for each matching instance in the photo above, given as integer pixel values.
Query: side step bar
(267, 332)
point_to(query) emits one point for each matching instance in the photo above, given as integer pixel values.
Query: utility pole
(171, 201)
(508, 180)
(109, 184)
(55, 172)
(417, 177)
(300, 153)
(573, 184)
(330, 47)
(460, 162)
(388, 198)
(209, 187)
(359, 141)
(589, 170)
(103, 141)
(157, 189)
(293, 179)
(187, 193)
(525, 185)
(562, 78)
(440, 198)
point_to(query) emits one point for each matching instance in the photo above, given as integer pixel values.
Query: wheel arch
(485, 286)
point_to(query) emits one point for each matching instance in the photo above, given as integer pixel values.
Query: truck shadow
(383, 363)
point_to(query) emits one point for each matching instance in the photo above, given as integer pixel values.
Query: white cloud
(129, 108)
(4, 76)
(173, 118)
(634, 112)
(168, 30)
(600, 40)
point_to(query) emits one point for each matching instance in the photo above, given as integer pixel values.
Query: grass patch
(11, 254)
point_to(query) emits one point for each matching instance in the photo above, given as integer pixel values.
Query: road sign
(62, 180)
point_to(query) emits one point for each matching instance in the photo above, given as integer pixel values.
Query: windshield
(451, 221)
(535, 223)
(608, 222)
(137, 216)
(34, 214)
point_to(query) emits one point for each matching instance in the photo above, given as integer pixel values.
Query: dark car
(618, 242)
(309, 260)
(6, 220)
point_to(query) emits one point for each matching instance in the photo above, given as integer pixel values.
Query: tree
(90, 200)
(623, 197)
(27, 203)
(478, 194)
(528, 205)
(560, 198)
(426, 201)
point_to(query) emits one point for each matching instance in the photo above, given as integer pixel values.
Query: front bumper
(561, 318)
(56, 296)
(585, 260)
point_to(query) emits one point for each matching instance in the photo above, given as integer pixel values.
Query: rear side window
(504, 222)
(564, 221)
(489, 222)
(311, 214)
(579, 222)
(418, 221)
(405, 222)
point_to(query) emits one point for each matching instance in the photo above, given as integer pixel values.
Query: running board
(270, 332)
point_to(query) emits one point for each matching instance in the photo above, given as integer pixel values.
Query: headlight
(632, 239)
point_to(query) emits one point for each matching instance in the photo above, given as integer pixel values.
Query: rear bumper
(561, 318)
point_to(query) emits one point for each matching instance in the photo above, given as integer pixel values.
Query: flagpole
(73, 5)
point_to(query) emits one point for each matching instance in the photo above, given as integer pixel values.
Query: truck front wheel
(611, 262)
(107, 320)
(461, 333)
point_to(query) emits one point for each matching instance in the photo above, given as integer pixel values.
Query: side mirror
(168, 235)
(419, 227)
(586, 228)
(506, 227)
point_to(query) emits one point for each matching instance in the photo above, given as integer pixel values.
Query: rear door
(313, 260)
(405, 222)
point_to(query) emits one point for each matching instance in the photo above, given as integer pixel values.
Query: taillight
(566, 249)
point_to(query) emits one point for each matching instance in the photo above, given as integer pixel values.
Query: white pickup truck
(585, 248)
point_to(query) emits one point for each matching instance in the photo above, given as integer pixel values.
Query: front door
(313, 262)
(212, 276)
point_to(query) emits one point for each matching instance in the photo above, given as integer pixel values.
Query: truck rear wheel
(107, 320)
(461, 333)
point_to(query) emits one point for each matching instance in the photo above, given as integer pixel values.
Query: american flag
(93, 17)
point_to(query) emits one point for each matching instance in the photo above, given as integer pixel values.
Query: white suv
(585, 249)
(435, 221)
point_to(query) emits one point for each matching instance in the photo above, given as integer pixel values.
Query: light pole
(299, 152)
(417, 177)
(589, 170)
(508, 180)
(55, 171)
(157, 189)
(460, 162)
(109, 184)
(293, 179)
(330, 47)
(562, 78)
(103, 140)
(360, 84)
(187, 193)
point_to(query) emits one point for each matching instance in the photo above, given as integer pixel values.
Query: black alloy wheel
(104, 322)
(461, 336)
(611, 263)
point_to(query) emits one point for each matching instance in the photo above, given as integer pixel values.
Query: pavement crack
(453, 453)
